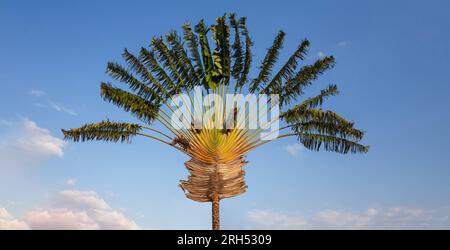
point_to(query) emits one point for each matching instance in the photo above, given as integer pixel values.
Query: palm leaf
(139, 68)
(288, 70)
(103, 131)
(167, 58)
(141, 108)
(331, 143)
(248, 54)
(192, 43)
(269, 61)
(183, 63)
(221, 36)
(345, 131)
(318, 100)
(149, 59)
(294, 86)
(208, 63)
(237, 54)
(117, 72)
(303, 114)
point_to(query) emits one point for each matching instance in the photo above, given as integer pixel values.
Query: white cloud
(73, 209)
(13, 224)
(59, 218)
(320, 54)
(344, 220)
(261, 219)
(37, 93)
(8, 222)
(62, 109)
(71, 181)
(294, 149)
(372, 218)
(112, 219)
(342, 44)
(28, 145)
(36, 140)
(4, 213)
(82, 199)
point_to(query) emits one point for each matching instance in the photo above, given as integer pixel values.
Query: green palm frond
(288, 70)
(221, 36)
(237, 54)
(294, 86)
(119, 73)
(103, 131)
(192, 43)
(248, 54)
(183, 63)
(267, 64)
(207, 58)
(140, 69)
(318, 100)
(167, 58)
(148, 58)
(345, 131)
(303, 118)
(331, 143)
(141, 108)
(304, 114)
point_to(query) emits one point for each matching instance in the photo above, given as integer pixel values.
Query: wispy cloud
(37, 92)
(71, 181)
(342, 44)
(50, 103)
(40, 105)
(6, 123)
(294, 149)
(372, 218)
(320, 54)
(62, 109)
(72, 209)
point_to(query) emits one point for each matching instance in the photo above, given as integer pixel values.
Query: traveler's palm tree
(176, 65)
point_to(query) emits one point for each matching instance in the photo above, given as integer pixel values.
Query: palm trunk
(215, 212)
(212, 182)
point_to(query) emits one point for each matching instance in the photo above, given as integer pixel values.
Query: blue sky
(392, 72)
